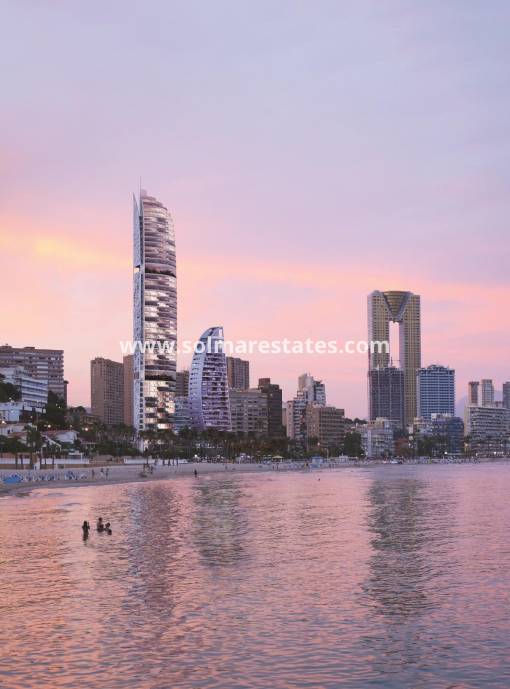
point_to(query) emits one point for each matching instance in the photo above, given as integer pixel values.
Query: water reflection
(220, 524)
(398, 520)
(409, 524)
(391, 578)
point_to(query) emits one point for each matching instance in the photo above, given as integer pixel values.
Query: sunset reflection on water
(385, 577)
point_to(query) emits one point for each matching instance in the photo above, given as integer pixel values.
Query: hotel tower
(154, 315)
(402, 308)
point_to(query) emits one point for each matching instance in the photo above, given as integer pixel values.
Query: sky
(309, 152)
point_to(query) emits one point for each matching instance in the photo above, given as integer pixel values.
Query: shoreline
(121, 474)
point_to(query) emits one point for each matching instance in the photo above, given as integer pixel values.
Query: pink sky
(308, 156)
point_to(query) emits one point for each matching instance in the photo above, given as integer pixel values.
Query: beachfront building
(487, 429)
(154, 315)
(435, 386)
(386, 395)
(107, 390)
(208, 385)
(238, 373)
(325, 424)
(40, 364)
(273, 393)
(444, 432)
(33, 392)
(377, 438)
(248, 411)
(402, 308)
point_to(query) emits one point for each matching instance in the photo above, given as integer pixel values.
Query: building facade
(273, 393)
(486, 392)
(33, 391)
(248, 411)
(435, 386)
(313, 390)
(155, 315)
(473, 387)
(40, 364)
(238, 373)
(326, 424)
(377, 438)
(107, 390)
(128, 390)
(487, 429)
(182, 383)
(208, 384)
(296, 419)
(402, 308)
(446, 432)
(506, 395)
(386, 395)
(182, 416)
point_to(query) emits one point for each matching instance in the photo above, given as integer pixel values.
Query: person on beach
(196, 473)
(85, 528)
(100, 525)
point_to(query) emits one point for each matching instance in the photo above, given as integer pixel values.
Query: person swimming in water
(108, 528)
(85, 528)
(100, 525)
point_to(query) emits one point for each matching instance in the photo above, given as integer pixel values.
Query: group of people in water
(100, 526)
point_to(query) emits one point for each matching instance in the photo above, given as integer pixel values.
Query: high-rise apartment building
(386, 395)
(208, 385)
(486, 392)
(182, 383)
(238, 373)
(248, 411)
(155, 314)
(402, 308)
(273, 393)
(41, 364)
(435, 387)
(107, 390)
(128, 390)
(473, 387)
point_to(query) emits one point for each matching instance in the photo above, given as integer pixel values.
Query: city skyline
(427, 183)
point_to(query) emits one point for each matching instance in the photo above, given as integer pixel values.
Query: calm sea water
(386, 577)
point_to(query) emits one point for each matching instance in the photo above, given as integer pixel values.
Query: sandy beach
(133, 474)
(116, 474)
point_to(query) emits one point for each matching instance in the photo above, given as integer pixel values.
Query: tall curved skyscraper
(154, 315)
(208, 385)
